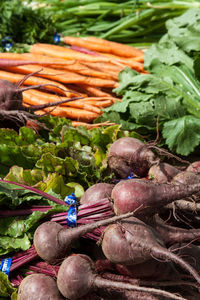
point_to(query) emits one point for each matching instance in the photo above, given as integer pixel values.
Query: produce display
(99, 150)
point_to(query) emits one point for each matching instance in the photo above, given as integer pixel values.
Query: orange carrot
(63, 52)
(64, 76)
(94, 91)
(99, 99)
(73, 113)
(35, 97)
(90, 126)
(104, 66)
(29, 56)
(117, 48)
(101, 104)
(127, 62)
(76, 66)
(34, 80)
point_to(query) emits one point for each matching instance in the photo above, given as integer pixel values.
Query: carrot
(63, 52)
(100, 99)
(30, 56)
(65, 76)
(90, 126)
(93, 91)
(127, 62)
(117, 48)
(101, 104)
(109, 67)
(34, 97)
(17, 59)
(34, 80)
(76, 66)
(73, 113)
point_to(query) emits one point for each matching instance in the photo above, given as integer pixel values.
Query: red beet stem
(34, 190)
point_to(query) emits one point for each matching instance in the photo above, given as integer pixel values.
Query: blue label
(56, 38)
(7, 46)
(131, 176)
(71, 199)
(5, 265)
(72, 216)
(7, 43)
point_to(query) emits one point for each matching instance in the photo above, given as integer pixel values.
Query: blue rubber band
(56, 38)
(5, 265)
(72, 212)
(72, 216)
(71, 199)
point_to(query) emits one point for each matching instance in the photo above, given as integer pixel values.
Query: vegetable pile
(67, 81)
(94, 201)
(36, 223)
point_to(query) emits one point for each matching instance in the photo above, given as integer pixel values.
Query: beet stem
(80, 231)
(32, 189)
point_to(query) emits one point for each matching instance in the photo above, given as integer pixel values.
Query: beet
(52, 241)
(133, 242)
(149, 196)
(76, 278)
(97, 192)
(13, 112)
(171, 234)
(162, 172)
(186, 177)
(129, 155)
(194, 167)
(39, 287)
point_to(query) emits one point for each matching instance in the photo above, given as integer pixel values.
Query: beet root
(186, 177)
(129, 155)
(133, 242)
(129, 195)
(76, 278)
(11, 99)
(52, 241)
(171, 234)
(97, 192)
(162, 172)
(39, 287)
(194, 167)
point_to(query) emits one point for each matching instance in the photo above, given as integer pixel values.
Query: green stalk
(129, 22)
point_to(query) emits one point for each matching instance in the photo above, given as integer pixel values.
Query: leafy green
(24, 24)
(6, 289)
(17, 232)
(182, 134)
(57, 161)
(170, 94)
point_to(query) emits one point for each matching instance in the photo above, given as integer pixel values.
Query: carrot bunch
(87, 68)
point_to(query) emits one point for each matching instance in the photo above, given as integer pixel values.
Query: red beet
(129, 155)
(162, 172)
(129, 195)
(11, 97)
(76, 278)
(186, 177)
(39, 287)
(171, 234)
(97, 192)
(194, 167)
(133, 242)
(52, 241)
